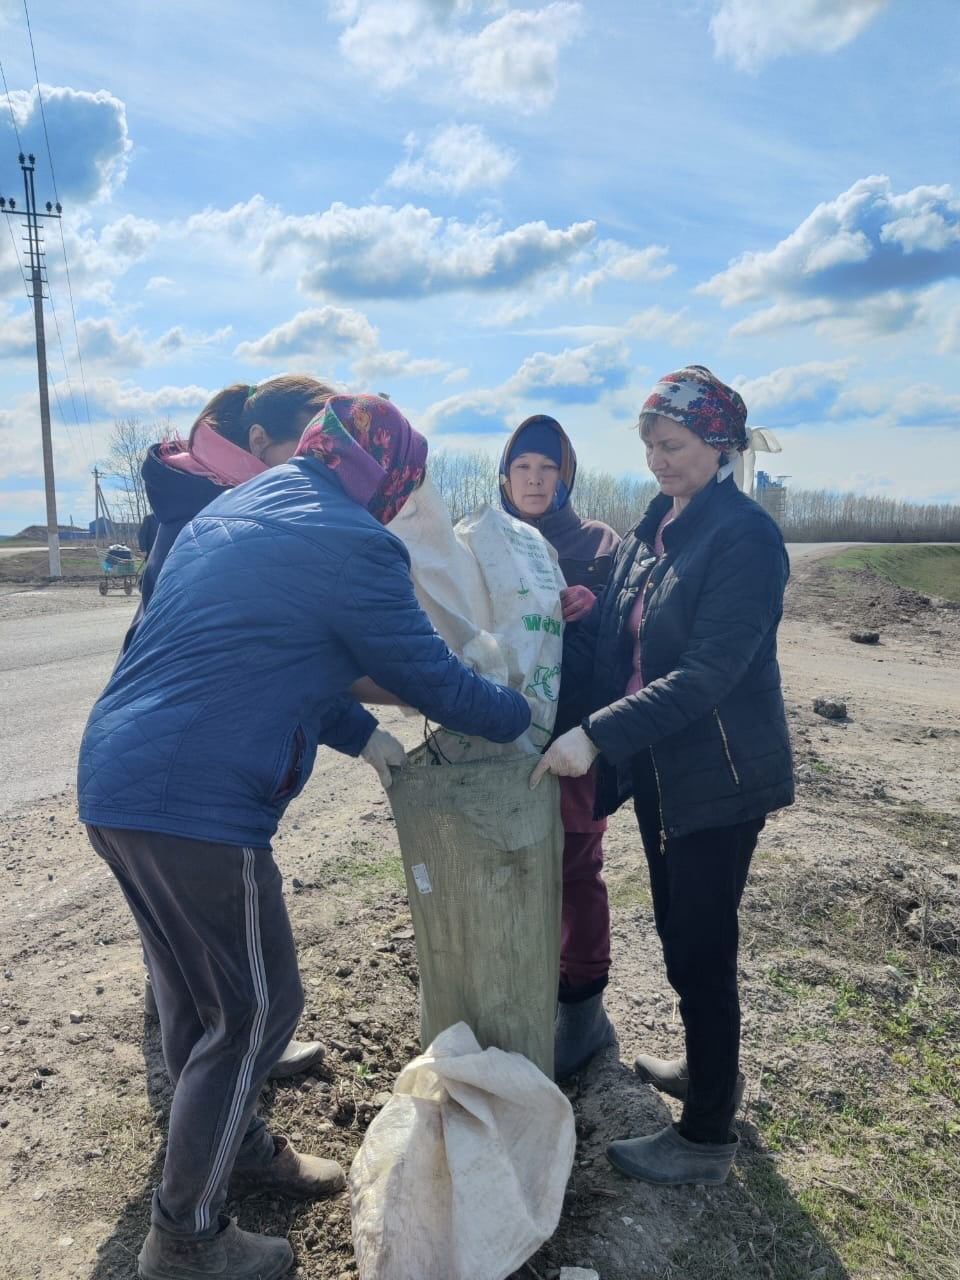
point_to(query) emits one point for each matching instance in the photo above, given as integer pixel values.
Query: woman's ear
(257, 440)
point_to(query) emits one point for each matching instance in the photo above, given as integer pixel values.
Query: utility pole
(35, 256)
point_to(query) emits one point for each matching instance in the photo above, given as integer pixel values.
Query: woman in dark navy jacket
(686, 715)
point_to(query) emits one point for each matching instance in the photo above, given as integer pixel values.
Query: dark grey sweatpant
(222, 961)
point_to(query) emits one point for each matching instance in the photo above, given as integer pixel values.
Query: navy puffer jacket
(273, 601)
(711, 713)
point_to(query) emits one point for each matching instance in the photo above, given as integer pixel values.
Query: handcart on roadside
(120, 570)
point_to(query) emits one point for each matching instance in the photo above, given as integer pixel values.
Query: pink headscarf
(372, 449)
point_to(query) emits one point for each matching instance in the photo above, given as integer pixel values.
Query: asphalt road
(53, 666)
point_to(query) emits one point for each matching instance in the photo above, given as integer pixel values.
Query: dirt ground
(850, 1128)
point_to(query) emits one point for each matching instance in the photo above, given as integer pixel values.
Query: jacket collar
(684, 527)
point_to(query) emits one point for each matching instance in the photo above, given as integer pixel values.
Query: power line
(16, 255)
(13, 117)
(43, 114)
(63, 243)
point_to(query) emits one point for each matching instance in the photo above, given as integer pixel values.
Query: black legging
(697, 882)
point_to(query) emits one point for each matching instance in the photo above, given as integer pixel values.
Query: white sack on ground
(461, 1176)
(491, 586)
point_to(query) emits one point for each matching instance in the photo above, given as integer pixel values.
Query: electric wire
(56, 195)
(13, 118)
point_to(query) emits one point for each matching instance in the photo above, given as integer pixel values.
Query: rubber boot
(581, 1030)
(670, 1076)
(671, 1160)
(239, 1255)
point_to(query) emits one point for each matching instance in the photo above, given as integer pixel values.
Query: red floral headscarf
(372, 449)
(699, 401)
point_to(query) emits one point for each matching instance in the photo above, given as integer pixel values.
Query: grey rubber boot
(581, 1030)
(670, 1076)
(239, 1255)
(672, 1160)
(299, 1055)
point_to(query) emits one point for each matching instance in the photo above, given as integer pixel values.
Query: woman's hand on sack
(382, 751)
(576, 603)
(569, 757)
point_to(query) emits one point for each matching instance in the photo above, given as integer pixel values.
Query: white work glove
(382, 751)
(570, 757)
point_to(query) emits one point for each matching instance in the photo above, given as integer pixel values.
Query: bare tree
(129, 442)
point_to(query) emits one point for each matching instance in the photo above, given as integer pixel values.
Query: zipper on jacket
(726, 747)
(656, 774)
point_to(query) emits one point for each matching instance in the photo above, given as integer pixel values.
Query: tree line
(468, 480)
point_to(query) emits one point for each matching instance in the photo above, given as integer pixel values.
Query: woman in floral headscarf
(686, 715)
(274, 600)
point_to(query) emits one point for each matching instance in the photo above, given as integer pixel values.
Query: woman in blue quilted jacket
(273, 602)
(685, 713)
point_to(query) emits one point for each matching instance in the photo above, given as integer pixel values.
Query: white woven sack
(491, 587)
(461, 1176)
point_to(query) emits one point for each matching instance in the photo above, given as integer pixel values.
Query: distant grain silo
(772, 494)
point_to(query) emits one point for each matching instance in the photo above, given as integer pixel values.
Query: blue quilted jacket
(274, 600)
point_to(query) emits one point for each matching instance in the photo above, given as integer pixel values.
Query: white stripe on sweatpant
(262, 999)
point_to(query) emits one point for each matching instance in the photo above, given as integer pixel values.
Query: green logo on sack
(540, 622)
(542, 683)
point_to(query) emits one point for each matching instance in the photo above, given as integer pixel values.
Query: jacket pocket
(726, 748)
(289, 774)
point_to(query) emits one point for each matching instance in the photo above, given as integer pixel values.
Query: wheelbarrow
(119, 570)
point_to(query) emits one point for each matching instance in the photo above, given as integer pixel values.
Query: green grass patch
(629, 891)
(369, 866)
(931, 570)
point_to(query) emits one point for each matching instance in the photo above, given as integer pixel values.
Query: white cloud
(321, 331)
(382, 251)
(921, 405)
(619, 262)
(88, 138)
(161, 284)
(752, 32)
(396, 364)
(510, 61)
(112, 398)
(811, 387)
(656, 324)
(455, 159)
(576, 375)
(858, 263)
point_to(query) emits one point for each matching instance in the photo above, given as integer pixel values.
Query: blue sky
(490, 209)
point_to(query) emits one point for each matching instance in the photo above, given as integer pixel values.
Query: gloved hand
(569, 757)
(576, 603)
(382, 751)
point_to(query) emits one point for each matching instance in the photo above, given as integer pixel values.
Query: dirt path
(850, 1128)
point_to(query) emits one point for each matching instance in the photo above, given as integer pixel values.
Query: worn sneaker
(671, 1160)
(239, 1255)
(290, 1174)
(670, 1076)
(299, 1055)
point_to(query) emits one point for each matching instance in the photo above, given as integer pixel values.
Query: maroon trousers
(585, 924)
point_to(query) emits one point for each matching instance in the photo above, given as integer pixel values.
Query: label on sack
(421, 878)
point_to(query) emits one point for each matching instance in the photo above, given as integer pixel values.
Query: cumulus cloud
(113, 398)
(921, 405)
(456, 158)
(864, 257)
(396, 364)
(750, 33)
(576, 375)
(619, 262)
(452, 49)
(88, 137)
(382, 251)
(795, 392)
(656, 324)
(321, 331)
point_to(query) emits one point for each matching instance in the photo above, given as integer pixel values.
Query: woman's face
(533, 483)
(681, 462)
(272, 452)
